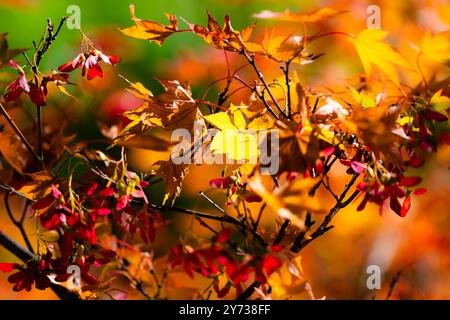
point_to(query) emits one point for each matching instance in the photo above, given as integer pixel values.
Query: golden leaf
(290, 200)
(374, 52)
(312, 17)
(151, 30)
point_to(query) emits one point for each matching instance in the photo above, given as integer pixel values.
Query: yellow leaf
(440, 103)
(374, 52)
(238, 136)
(436, 47)
(312, 17)
(151, 30)
(290, 200)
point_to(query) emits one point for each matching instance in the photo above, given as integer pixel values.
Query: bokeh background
(335, 265)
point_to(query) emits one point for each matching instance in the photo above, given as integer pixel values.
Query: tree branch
(25, 255)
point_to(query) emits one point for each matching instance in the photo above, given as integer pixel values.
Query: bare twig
(19, 133)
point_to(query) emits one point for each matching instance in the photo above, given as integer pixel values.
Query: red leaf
(108, 253)
(358, 167)
(122, 202)
(253, 198)
(103, 211)
(395, 205)
(43, 203)
(270, 264)
(222, 183)
(410, 181)
(224, 235)
(7, 266)
(433, 115)
(405, 207)
(419, 191)
(107, 192)
(95, 71)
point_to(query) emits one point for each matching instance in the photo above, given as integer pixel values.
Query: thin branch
(393, 284)
(25, 255)
(324, 227)
(249, 291)
(18, 132)
(18, 223)
(282, 231)
(288, 85)
(261, 78)
(226, 219)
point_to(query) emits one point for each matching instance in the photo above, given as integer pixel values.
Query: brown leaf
(14, 151)
(291, 200)
(151, 30)
(173, 176)
(173, 109)
(5, 53)
(225, 37)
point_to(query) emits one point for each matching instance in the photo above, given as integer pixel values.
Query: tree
(278, 147)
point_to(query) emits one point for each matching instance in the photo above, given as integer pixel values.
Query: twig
(261, 78)
(324, 226)
(249, 291)
(288, 86)
(282, 231)
(393, 284)
(18, 223)
(226, 219)
(19, 133)
(25, 255)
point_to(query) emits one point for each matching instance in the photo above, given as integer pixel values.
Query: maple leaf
(290, 200)
(378, 129)
(440, 103)
(13, 150)
(362, 98)
(312, 17)
(298, 147)
(374, 52)
(5, 53)
(436, 47)
(37, 186)
(151, 30)
(225, 37)
(287, 281)
(282, 48)
(173, 109)
(237, 136)
(173, 176)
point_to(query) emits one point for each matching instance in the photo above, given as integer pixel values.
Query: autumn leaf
(225, 37)
(151, 30)
(5, 53)
(312, 17)
(173, 176)
(436, 47)
(362, 98)
(374, 52)
(13, 150)
(173, 109)
(440, 103)
(290, 200)
(298, 147)
(237, 137)
(37, 186)
(378, 128)
(287, 282)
